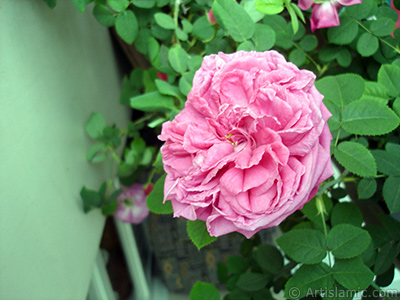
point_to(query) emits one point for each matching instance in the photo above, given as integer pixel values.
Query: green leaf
(378, 234)
(232, 17)
(385, 258)
(161, 33)
(308, 278)
(131, 86)
(303, 245)
(388, 76)
(391, 193)
(386, 278)
(356, 158)
(204, 291)
(252, 281)
(181, 34)
(367, 44)
(375, 91)
(297, 57)
(81, 4)
(95, 125)
(362, 10)
(264, 37)
(109, 208)
(341, 89)
(155, 199)
(328, 53)
(270, 7)
(269, 258)
(202, 29)
(91, 199)
(222, 272)
(366, 188)
(250, 8)
(165, 21)
(127, 26)
(185, 83)
(237, 264)
(391, 225)
(396, 106)
(298, 12)
(239, 294)
(352, 274)
(345, 33)
(347, 241)
(308, 43)
(388, 161)
(187, 26)
(178, 58)
(153, 101)
(51, 3)
(118, 5)
(97, 153)
(293, 18)
(382, 26)
(344, 58)
(246, 46)
(337, 292)
(153, 49)
(194, 62)
(197, 231)
(369, 117)
(347, 213)
(144, 3)
(167, 89)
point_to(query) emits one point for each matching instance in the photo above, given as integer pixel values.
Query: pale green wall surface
(56, 67)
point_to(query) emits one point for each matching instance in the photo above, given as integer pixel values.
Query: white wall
(56, 67)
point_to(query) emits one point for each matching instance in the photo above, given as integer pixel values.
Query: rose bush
(251, 145)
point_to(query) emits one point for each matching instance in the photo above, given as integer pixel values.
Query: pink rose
(251, 145)
(132, 206)
(324, 14)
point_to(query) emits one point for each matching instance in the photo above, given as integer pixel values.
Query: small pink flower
(162, 76)
(251, 145)
(325, 14)
(132, 206)
(211, 17)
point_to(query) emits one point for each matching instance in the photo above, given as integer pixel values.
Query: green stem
(285, 269)
(329, 184)
(381, 292)
(337, 136)
(382, 40)
(176, 13)
(326, 236)
(309, 57)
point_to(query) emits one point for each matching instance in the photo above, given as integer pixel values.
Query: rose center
(129, 201)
